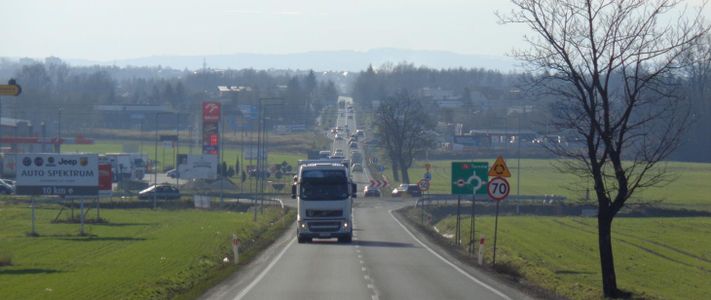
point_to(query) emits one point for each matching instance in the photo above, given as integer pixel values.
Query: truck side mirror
(354, 188)
(293, 191)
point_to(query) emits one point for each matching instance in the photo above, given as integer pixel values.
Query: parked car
(9, 182)
(6, 188)
(162, 191)
(370, 191)
(406, 190)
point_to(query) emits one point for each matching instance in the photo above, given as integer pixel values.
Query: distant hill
(320, 60)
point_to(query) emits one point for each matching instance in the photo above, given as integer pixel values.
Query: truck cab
(325, 195)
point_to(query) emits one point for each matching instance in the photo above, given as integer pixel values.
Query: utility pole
(177, 147)
(155, 165)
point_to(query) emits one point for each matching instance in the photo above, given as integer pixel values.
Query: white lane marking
(472, 278)
(264, 272)
(362, 269)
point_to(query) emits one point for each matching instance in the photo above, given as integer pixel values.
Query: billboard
(57, 174)
(210, 127)
(197, 166)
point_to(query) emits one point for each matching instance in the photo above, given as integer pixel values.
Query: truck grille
(316, 213)
(330, 226)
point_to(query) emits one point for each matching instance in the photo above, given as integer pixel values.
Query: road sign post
(498, 189)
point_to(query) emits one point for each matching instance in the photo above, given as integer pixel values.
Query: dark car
(370, 191)
(407, 190)
(160, 191)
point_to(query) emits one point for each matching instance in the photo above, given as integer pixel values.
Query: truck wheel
(345, 239)
(302, 240)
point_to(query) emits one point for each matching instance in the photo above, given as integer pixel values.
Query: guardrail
(546, 199)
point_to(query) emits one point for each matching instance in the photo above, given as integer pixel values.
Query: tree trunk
(396, 174)
(405, 174)
(607, 264)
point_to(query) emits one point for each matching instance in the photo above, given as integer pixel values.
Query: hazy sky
(106, 30)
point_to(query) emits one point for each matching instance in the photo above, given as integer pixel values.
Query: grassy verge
(538, 177)
(664, 258)
(139, 253)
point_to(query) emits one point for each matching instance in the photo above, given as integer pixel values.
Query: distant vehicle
(406, 190)
(6, 188)
(324, 154)
(337, 157)
(338, 152)
(360, 132)
(354, 145)
(370, 191)
(125, 166)
(161, 191)
(339, 137)
(252, 172)
(9, 182)
(173, 173)
(357, 168)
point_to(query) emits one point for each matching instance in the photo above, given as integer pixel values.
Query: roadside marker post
(480, 255)
(235, 248)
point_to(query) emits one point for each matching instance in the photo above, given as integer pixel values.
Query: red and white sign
(498, 188)
(105, 178)
(210, 111)
(378, 183)
(424, 185)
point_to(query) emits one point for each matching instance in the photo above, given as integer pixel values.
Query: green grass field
(690, 189)
(139, 254)
(665, 258)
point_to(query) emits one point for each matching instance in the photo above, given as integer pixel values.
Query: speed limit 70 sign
(498, 188)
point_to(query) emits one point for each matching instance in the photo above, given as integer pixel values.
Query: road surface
(384, 261)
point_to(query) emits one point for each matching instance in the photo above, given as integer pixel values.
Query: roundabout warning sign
(469, 177)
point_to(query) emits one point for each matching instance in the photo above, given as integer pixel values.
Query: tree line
(51, 86)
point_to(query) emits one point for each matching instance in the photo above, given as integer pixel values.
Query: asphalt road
(384, 261)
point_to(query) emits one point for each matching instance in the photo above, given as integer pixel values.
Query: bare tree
(402, 123)
(612, 65)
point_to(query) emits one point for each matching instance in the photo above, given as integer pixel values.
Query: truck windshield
(323, 185)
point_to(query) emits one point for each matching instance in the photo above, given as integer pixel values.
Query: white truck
(324, 193)
(126, 166)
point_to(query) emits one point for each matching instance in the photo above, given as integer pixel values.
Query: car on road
(406, 190)
(173, 173)
(354, 145)
(370, 191)
(338, 137)
(161, 191)
(360, 132)
(357, 168)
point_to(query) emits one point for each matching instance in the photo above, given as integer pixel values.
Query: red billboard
(105, 177)
(211, 111)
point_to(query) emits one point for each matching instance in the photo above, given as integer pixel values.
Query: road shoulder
(243, 278)
(507, 285)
